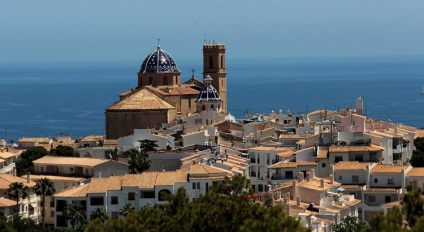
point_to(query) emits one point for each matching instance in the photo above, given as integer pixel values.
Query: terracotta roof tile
(7, 179)
(283, 164)
(371, 148)
(101, 185)
(322, 152)
(5, 202)
(351, 165)
(388, 168)
(74, 192)
(170, 178)
(143, 99)
(419, 133)
(79, 161)
(416, 171)
(381, 190)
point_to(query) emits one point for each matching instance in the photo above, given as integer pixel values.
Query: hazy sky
(102, 29)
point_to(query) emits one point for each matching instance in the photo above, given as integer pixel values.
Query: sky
(120, 30)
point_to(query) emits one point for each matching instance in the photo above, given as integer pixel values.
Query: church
(160, 97)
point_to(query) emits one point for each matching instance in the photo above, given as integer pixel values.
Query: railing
(7, 168)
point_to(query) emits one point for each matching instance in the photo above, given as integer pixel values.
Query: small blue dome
(209, 93)
(159, 61)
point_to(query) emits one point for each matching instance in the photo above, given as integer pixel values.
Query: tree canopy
(350, 224)
(138, 160)
(24, 164)
(220, 209)
(417, 159)
(44, 187)
(61, 150)
(148, 145)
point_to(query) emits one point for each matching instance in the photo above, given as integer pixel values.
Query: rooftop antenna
(158, 43)
(192, 72)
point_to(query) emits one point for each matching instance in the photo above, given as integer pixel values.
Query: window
(71, 169)
(150, 80)
(387, 199)
(52, 214)
(289, 174)
(96, 201)
(375, 180)
(355, 179)
(338, 159)
(260, 188)
(162, 195)
(165, 81)
(115, 215)
(371, 198)
(323, 165)
(210, 62)
(391, 181)
(147, 194)
(60, 206)
(340, 178)
(131, 196)
(212, 106)
(114, 200)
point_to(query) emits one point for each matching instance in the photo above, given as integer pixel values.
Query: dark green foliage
(44, 187)
(99, 214)
(126, 210)
(412, 205)
(63, 151)
(75, 214)
(419, 144)
(392, 221)
(417, 159)
(16, 191)
(350, 224)
(148, 145)
(221, 209)
(17, 223)
(24, 164)
(138, 160)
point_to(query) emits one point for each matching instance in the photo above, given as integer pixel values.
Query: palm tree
(75, 214)
(138, 160)
(17, 190)
(99, 213)
(126, 209)
(148, 145)
(44, 187)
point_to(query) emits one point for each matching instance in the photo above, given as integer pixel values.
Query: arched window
(203, 107)
(150, 80)
(165, 81)
(212, 106)
(163, 194)
(222, 61)
(210, 62)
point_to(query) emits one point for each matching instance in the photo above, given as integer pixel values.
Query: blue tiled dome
(209, 93)
(159, 61)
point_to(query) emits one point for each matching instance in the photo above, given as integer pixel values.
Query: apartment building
(139, 190)
(78, 166)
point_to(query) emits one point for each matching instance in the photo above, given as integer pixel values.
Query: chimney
(298, 201)
(29, 178)
(294, 189)
(278, 194)
(308, 176)
(285, 200)
(288, 196)
(331, 179)
(300, 177)
(312, 171)
(332, 169)
(322, 183)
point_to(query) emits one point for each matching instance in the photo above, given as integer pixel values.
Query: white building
(139, 190)
(164, 141)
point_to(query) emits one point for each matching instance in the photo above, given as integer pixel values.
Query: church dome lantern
(159, 61)
(208, 93)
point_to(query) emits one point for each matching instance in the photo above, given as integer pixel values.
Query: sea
(69, 98)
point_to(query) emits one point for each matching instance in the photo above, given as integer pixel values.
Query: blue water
(52, 98)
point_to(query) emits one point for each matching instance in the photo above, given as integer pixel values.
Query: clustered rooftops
(159, 61)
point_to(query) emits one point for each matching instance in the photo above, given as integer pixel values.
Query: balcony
(7, 168)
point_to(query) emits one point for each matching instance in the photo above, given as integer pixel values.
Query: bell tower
(214, 66)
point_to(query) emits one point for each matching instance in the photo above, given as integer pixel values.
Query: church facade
(160, 97)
